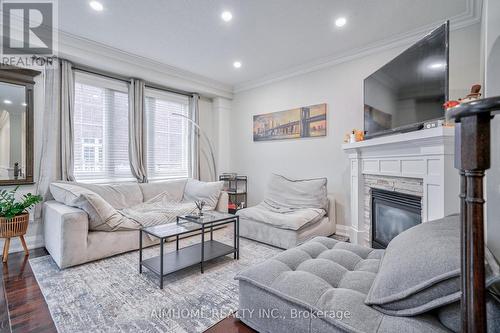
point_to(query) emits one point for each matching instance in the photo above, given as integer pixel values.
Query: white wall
(209, 126)
(215, 116)
(341, 87)
(491, 44)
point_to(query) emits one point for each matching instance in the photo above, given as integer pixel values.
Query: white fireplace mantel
(426, 154)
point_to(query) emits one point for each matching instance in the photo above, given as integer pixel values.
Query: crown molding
(95, 54)
(470, 16)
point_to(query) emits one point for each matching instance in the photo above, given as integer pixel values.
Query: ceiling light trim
(340, 22)
(226, 16)
(470, 16)
(96, 5)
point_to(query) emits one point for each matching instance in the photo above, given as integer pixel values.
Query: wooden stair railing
(472, 158)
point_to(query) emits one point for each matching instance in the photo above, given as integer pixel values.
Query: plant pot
(14, 227)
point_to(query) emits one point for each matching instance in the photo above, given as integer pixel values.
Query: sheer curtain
(137, 140)
(67, 113)
(56, 156)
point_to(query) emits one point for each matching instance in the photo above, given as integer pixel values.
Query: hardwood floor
(28, 312)
(27, 309)
(4, 314)
(230, 325)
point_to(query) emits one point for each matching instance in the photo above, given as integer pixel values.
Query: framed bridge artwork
(304, 122)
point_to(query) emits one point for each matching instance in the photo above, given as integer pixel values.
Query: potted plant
(14, 217)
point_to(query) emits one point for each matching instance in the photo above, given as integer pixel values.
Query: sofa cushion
(102, 216)
(206, 191)
(174, 188)
(285, 194)
(324, 276)
(119, 195)
(420, 269)
(293, 220)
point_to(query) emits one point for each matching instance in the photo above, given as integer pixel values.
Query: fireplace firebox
(391, 214)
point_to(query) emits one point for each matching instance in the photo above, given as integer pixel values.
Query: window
(101, 129)
(167, 135)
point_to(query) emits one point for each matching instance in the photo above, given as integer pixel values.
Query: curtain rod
(91, 70)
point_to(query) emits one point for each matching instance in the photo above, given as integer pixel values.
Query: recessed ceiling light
(237, 64)
(24, 104)
(226, 16)
(96, 5)
(340, 22)
(6, 101)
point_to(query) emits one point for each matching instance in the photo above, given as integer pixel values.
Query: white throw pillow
(206, 191)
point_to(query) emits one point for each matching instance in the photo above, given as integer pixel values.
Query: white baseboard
(358, 237)
(33, 242)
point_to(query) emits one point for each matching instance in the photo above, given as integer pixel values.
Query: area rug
(110, 295)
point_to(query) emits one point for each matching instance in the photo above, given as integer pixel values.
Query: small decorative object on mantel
(473, 95)
(14, 217)
(354, 136)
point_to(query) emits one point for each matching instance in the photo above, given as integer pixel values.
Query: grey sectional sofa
(66, 229)
(325, 285)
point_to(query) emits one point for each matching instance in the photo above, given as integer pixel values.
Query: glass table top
(208, 217)
(186, 224)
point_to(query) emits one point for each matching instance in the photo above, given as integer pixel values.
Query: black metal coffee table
(167, 263)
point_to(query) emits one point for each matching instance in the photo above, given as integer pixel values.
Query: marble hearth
(418, 163)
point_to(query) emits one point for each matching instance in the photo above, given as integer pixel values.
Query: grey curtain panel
(194, 137)
(137, 131)
(49, 168)
(57, 134)
(67, 96)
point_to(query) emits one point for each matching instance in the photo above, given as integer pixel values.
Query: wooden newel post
(475, 139)
(472, 158)
(463, 224)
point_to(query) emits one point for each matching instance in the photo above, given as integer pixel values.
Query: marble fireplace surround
(422, 158)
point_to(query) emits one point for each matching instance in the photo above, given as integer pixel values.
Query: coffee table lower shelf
(186, 257)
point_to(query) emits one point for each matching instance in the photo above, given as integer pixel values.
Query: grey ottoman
(320, 286)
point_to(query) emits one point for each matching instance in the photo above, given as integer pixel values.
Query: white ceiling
(268, 36)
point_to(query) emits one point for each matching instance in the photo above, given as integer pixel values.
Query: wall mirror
(16, 125)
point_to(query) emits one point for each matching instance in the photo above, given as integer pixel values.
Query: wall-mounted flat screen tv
(411, 89)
